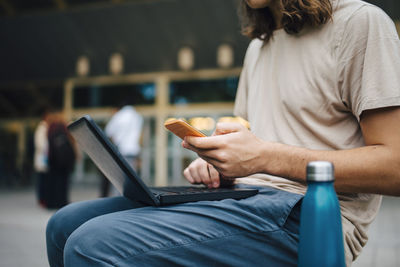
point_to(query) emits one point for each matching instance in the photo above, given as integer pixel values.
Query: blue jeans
(258, 231)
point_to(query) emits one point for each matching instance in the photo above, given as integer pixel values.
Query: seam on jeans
(194, 242)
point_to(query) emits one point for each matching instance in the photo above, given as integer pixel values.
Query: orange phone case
(181, 128)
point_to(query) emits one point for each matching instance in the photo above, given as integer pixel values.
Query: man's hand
(201, 172)
(233, 150)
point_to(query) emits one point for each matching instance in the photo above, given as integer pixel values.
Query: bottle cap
(320, 171)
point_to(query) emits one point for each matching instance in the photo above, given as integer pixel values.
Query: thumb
(227, 127)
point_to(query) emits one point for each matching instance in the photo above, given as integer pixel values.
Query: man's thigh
(213, 233)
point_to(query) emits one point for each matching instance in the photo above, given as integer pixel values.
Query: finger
(214, 176)
(190, 147)
(203, 173)
(228, 127)
(188, 176)
(208, 153)
(211, 142)
(195, 175)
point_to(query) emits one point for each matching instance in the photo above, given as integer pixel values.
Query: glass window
(114, 95)
(29, 102)
(217, 90)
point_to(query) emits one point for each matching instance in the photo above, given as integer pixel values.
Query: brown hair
(260, 23)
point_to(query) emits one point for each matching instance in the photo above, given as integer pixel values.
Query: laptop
(112, 164)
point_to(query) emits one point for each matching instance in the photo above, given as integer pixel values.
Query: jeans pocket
(292, 223)
(275, 208)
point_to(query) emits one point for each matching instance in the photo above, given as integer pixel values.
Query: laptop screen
(104, 154)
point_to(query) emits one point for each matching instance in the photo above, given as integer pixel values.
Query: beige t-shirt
(309, 90)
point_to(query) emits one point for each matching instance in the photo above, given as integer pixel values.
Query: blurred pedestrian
(40, 160)
(61, 162)
(125, 130)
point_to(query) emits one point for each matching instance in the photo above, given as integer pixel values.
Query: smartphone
(181, 128)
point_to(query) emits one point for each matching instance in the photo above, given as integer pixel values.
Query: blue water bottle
(321, 238)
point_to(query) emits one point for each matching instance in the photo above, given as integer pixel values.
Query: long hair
(260, 23)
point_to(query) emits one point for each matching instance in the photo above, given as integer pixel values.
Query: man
(328, 93)
(321, 83)
(125, 130)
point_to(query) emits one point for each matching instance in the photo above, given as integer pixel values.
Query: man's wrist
(282, 160)
(266, 160)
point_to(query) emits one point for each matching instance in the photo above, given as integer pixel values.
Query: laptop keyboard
(184, 190)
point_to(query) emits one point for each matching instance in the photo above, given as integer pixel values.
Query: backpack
(61, 151)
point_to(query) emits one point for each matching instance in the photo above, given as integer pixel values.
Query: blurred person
(320, 81)
(61, 162)
(125, 130)
(40, 158)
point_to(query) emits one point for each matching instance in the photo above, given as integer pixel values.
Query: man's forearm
(369, 169)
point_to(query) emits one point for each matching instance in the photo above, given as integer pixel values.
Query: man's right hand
(201, 172)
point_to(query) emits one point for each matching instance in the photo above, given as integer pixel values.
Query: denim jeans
(258, 231)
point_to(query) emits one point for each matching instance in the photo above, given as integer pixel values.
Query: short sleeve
(369, 61)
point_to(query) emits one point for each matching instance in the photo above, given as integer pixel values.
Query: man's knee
(55, 230)
(61, 225)
(89, 245)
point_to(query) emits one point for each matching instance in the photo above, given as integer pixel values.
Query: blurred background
(167, 58)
